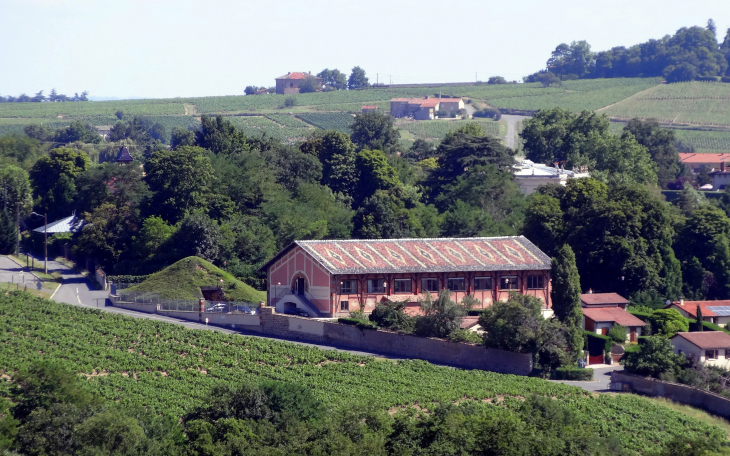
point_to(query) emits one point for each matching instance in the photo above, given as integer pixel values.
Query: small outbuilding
(601, 319)
(124, 157)
(709, 347)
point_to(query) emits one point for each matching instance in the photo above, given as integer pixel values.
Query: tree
(338, 157)
(16, 194)
(660, 144)
(199, 236)
(182, 137)
(53, 180)
(310, 84)
(574, 60)
(513, 325)
(8, 234)
(497, 80)
(119, 114)
(565, 295)
(546, 78)
(440, 317)
(654, 357)
(181, 181)
(250, 90)
(374, 130)
(77, 131)
(357, 79)
(375, 174)
(107, 233)
(700, 326)
(683, 72)
(155, 232)
(219, 135)
(333, 79)
(544, 222)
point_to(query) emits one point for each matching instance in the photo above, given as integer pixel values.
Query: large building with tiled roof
(424, 108)
(332, 277)
(289, 83)
(695, 161)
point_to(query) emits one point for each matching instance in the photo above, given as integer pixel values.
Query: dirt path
(190, 109)
(512, 128)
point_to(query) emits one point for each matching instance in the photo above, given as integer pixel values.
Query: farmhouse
(601, 319)
(696, 161)
(717, 312)
(530, 175)
(720, 177)
(424, 108)
(289, 83)
(709, 347)
(333, 277)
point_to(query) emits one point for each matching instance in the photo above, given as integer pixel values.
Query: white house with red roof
(289, 83)
(709, 347)
(695, 161)
(717, 312)
(424, 108)
(329, 278)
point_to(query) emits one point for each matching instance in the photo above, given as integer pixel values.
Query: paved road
(512, 128)
(602, 376)
(11, 272)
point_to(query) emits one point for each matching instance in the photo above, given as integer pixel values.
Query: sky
(187, 48)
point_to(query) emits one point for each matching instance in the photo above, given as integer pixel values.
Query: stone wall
(711, 402)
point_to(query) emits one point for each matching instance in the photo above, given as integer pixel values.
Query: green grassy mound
(169, 368)
(183, 280)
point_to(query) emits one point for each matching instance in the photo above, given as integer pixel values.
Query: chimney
(722, 166)
(590, 291)
(681, 301)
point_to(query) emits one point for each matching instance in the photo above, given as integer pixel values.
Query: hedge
(572, 373)
(608, 343)
(361, 324)
(642, 339)
(131, 279)
(707, 325)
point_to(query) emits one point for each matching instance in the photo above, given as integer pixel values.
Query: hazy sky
(161, 48)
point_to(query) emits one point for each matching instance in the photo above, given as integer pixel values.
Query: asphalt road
(602, 377)
(512, 128)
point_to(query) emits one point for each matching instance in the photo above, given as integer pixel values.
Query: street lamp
(45, 235)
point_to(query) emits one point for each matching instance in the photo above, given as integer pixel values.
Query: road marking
(77, 297)
(77, 290)
(54, 293)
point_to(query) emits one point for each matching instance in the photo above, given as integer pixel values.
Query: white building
(531, 175)
(710, 347)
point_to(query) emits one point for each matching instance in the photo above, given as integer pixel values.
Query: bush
(655, 357)
(464, 335)
(725, 79)
(441, 316)
(642, 339)
(617, 333)
(392, 316)
(572, 373)
(607, 341)
(442, 114)
(361, 324)
(289, 102)
(707, 326)
(491, 113)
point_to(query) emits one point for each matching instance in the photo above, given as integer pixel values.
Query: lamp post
(45, 242)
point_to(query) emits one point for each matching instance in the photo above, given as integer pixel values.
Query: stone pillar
(201, 309)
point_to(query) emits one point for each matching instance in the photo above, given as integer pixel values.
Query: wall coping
(617, 374)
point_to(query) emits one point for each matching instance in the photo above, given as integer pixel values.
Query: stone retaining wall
(711, 402)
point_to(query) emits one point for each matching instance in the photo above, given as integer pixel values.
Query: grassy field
(434, 130)
(694, 103)
(168, 368)
(183, 280)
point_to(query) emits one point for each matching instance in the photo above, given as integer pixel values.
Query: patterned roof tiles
(363, 256)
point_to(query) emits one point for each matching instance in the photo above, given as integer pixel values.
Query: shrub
(607, 341)
(725, 79)
(442, 113)
(440, 317)
(654, 358)
(361, 324)
(491, 113)
(289, 102)
(464, 335)
(392, 315)
(642, 339)
(617, 333)
(572, 373)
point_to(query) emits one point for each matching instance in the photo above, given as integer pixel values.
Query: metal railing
(236, 307)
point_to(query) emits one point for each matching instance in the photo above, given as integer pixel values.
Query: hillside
(170, 369)
(183, 280)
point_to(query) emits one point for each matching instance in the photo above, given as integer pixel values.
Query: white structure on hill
(530, 175)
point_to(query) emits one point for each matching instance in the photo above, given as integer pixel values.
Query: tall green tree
(53, 178)
(660, 144)
(698, 315)
(565, 295)
(333, 79)
(376, 173)
(8, 233)
(374, 130)
(181, 181)
(16, 194)
(338, 157)
(357, 79)
(219, 135)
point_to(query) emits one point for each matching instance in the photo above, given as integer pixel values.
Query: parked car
(220, 307)
(243, 309)
(296, 311)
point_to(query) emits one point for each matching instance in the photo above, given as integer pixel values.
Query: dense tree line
(691, 53)
(39, 97)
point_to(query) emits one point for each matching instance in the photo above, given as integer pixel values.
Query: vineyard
(435, 130)
(705, 141)
(697, 103)
(170, 368)
(339, 121)
(256, 126)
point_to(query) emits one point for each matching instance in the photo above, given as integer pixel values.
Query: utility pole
(45, 235)
(17, 223)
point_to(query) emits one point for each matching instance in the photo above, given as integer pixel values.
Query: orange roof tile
(612, 314)
(297, 75)
(602, 299)
(686, 157)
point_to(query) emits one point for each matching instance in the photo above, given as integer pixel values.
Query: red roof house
(601, 319)
(289, 83)
(423, 108)
(711, 347)
(332, 277)
(717, 312)
(603, 300)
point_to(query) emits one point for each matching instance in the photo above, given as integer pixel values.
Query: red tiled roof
(706, 339)
(297, 75)
(369, 107)
(612, 314)
(691, 307)
(425, 102)
(450, 100)
(597, 299)
(687, 157)
(430, 103)
(381, 256)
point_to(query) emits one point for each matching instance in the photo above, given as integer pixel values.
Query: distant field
(255, 126)
(339, 121)
(435, 130)
(705, 141)
(697, 103)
